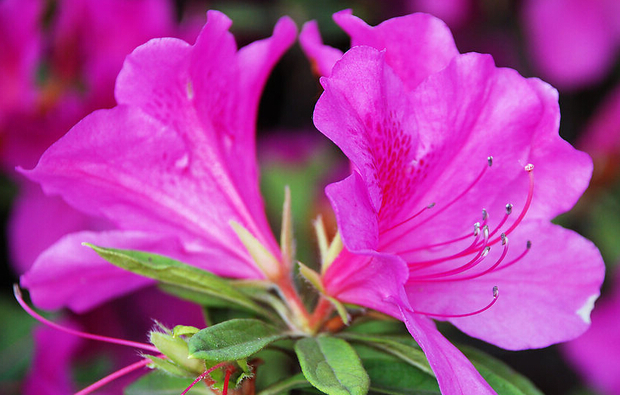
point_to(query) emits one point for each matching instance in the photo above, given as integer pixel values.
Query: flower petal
(362, 233)
(177, 155)
(432, 149)
(369, 280)
(323, 57)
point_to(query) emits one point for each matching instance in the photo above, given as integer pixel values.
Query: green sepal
(169, 367)
(313, 277)
(180, 275)
(342, 311)
(331, 365)
(233, 340)
(184, 330)
(177, 352)
(261, 256)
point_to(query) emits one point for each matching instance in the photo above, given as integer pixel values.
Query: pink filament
(114, 376)
(470, 249)
(35, 315)
(530, 194)
(478, 246)
(495, 296)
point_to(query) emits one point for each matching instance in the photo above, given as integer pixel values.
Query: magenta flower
(170, 166)
(595, 353)
(458, 169)
(573, 42)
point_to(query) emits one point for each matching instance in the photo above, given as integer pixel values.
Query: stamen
(473, 246)
(492, 268)
(430, 206)
(530, 194)
(203, 376)
(35, 315)
(387, 242)
(111, 377)
(485, 215)
(528, 246)
(495, 296)
(443, 243)
(472, 263)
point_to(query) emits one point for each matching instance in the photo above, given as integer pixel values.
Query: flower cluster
(457, 170)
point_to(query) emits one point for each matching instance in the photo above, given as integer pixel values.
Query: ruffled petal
(366, 112)
(417, 45)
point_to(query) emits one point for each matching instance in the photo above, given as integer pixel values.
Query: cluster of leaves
(248, 335)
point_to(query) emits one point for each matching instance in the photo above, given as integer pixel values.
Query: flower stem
(289, 293)
(320, 314)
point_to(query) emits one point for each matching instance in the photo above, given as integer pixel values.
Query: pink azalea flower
(444, 204)
(595, 353)
(170, 166)
(573, 42)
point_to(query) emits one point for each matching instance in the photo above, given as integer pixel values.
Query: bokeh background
(58, 61)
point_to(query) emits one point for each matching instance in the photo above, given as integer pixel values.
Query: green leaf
(157, 383)
(410, 354)
(500, 376)
(233, 340)
(332, 366)
(294, 382)
(180, 275)
(397, 377)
